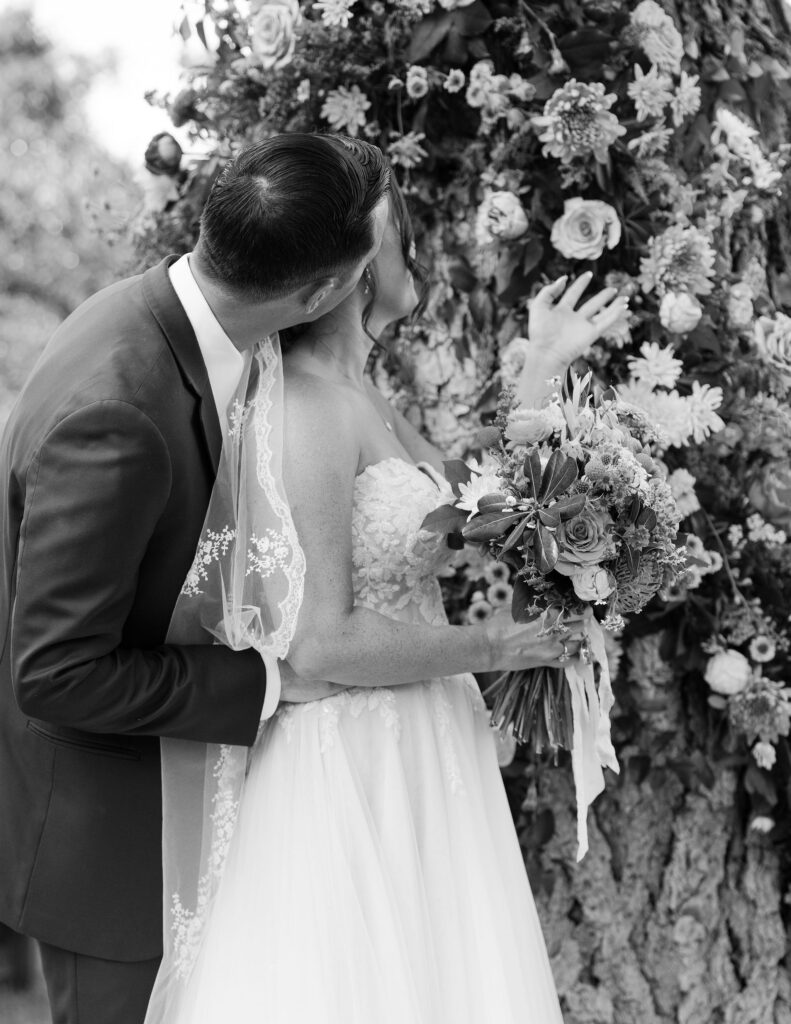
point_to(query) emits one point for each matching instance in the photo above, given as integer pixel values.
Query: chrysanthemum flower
(577, 122)
(335, 13)
(656, 366)
(686, 99)
(681, 259)
(406, 150)
(702, 406)
(650, 92)
(345, 109)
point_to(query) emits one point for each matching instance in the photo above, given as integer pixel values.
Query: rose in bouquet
(575, 502)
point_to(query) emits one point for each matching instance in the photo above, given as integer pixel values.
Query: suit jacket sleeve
(94, 493)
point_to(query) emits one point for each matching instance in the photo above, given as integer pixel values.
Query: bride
(362, 866)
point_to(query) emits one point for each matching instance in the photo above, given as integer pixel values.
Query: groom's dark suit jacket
(107, 464)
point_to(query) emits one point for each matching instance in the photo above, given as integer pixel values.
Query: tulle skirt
(374, 875)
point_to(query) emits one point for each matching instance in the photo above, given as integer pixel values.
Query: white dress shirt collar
(224, 365)
(224, 361)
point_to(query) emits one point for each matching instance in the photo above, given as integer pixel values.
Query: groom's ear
(318, 293)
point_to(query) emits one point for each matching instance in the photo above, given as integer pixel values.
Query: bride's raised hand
(560, 331)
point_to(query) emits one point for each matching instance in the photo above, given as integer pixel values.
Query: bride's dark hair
(289, 211)
(400, 214)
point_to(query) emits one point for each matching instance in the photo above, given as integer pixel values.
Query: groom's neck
(245, 321)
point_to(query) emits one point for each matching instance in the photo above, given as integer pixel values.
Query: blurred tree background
(64, 200)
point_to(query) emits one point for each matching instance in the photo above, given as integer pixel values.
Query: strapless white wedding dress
(374, 875)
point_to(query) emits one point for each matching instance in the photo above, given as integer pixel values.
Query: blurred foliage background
(64, 199)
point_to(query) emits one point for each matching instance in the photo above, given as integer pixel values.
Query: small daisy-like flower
(650, 143)
(345, 109)
(472, 492)
(303, 91)
(496, 572)
(455, 81)
(416, 82)
(479, 611)
(406, 150)
(577, 122)
(650, 92)
(762, 649)
(656, 366)
(499, 594)
(686, 99)
(335, 13)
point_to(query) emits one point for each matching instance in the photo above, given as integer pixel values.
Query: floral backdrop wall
(642, 142)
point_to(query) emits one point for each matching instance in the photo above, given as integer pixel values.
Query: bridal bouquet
(576, 504)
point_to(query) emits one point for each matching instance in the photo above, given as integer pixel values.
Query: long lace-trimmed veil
(245, 589)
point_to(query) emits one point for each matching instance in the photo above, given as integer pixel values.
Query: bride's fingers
(572, 294)
(609, 315)
(552, 291)
(597, 301)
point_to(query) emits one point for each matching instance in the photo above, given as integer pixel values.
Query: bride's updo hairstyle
(289, 211)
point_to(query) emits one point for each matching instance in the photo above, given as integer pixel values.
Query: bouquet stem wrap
(592, 747)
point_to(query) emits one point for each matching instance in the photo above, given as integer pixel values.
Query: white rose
(530, 426)
(587, 227)
(500, 217)
(592, 583)
(727, 672)
(272, 32)
(512, 359)
(765, 755)
(679, 312)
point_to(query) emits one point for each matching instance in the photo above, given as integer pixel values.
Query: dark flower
(163, 155)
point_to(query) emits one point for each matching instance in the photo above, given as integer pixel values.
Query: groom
(107, 465)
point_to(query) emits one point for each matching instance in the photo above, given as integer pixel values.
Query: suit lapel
(172, 319)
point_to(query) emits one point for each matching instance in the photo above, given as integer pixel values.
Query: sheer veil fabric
(244, 588)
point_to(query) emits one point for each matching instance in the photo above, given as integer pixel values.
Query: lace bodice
(395, 561)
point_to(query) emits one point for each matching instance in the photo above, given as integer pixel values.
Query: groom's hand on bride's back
(296, 690)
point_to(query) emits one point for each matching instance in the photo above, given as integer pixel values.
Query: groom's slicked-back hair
(289, 211)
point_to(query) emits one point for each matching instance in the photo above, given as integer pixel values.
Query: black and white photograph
(395, 502)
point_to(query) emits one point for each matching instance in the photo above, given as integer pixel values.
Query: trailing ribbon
(592, 747)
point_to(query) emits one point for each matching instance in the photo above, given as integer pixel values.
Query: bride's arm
(558, 335)
(336, 640)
